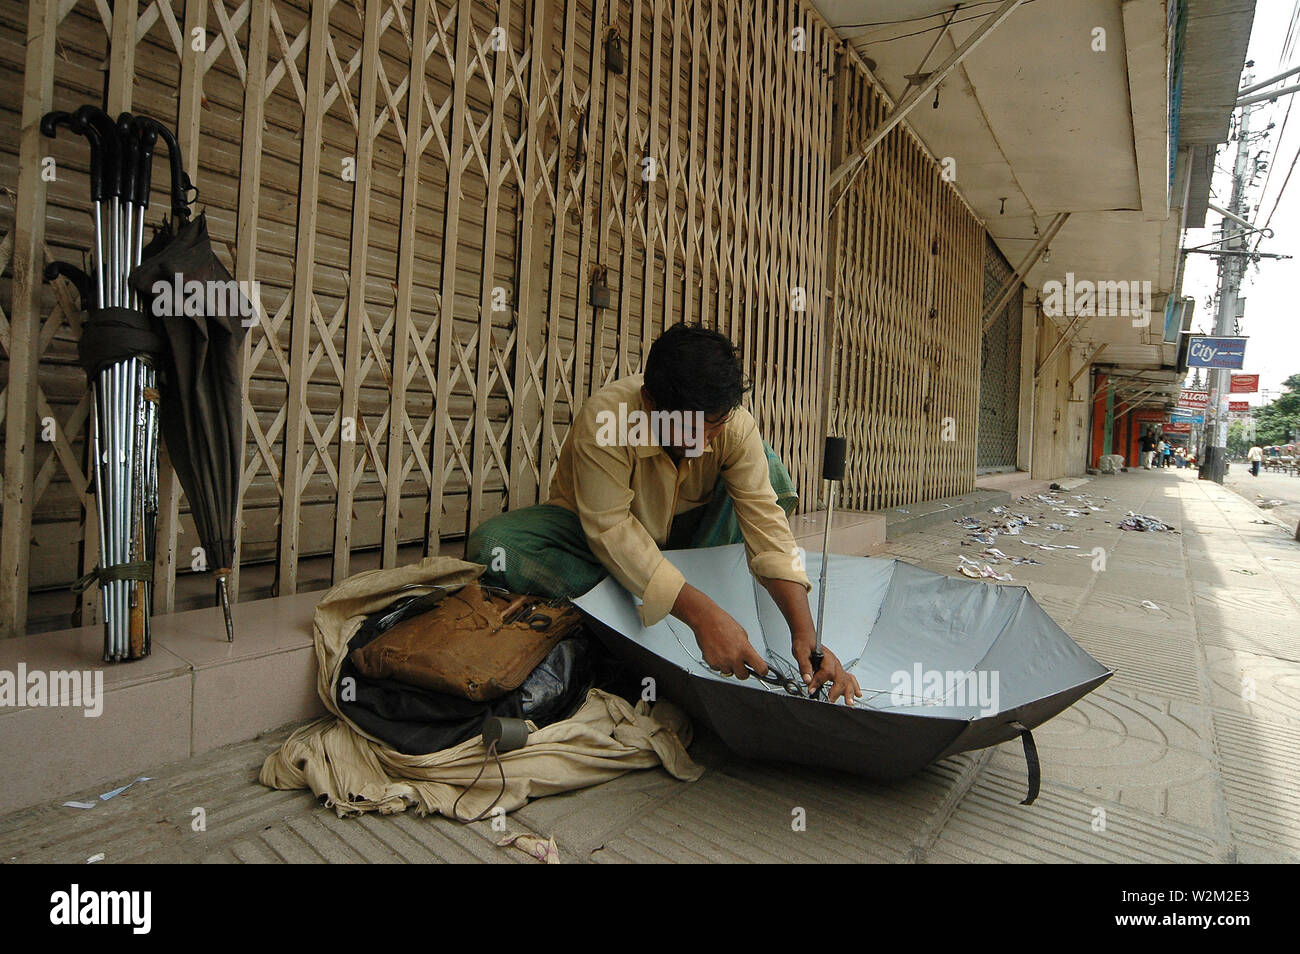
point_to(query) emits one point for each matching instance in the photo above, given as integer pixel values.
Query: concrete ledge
(853, 532)
(194, 693)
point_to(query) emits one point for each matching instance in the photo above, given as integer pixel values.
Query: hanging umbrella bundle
(154, 362)
(119, 350)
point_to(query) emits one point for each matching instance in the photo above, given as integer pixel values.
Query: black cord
(490, 753)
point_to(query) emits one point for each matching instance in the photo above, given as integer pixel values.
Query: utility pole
(1231, 268)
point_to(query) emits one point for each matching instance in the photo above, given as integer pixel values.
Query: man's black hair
(691, 368)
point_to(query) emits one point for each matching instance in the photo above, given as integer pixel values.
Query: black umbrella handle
(833, 458)
(144, 179)
(181, 185)
(50, 124)
(129, 149)
(816, 657)
(102, 131)
(75, 275)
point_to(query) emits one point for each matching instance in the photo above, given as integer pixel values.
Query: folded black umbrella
(199, 311)
(946, 664)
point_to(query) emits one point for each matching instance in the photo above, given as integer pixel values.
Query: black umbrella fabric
(199, 311)
(946, 664)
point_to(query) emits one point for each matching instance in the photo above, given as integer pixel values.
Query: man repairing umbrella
(666, 460)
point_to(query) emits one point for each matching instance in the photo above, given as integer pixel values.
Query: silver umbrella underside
(946, 664)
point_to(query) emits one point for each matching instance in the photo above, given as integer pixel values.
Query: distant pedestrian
(1256, 457)
(1166, 453)
(1148, 446)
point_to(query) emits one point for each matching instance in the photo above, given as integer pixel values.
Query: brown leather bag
(476, 643)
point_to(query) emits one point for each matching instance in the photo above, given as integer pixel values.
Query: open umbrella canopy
(946, 664)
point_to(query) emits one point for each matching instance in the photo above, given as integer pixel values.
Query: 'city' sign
(1204, 351)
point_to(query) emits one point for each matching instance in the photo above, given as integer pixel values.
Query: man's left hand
(843, 686)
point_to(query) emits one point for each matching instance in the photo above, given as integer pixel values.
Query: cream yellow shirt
(626, 497)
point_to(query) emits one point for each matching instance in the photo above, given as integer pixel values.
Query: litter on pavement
(1008, 522)
(535, 846)
(1137, 521)
(972, 568)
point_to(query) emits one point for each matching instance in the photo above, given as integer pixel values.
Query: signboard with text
(1194, 400)
(1176, 418)
(1204, 351)
(1238, 405)
(1244, 384)
(1178, 428)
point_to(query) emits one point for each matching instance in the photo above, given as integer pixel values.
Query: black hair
(691, 368)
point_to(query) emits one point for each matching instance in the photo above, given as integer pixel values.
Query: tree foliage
(1278, 422)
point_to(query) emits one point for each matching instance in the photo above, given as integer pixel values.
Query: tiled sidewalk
(1191, 753)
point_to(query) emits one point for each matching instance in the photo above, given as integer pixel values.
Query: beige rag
(356, 772)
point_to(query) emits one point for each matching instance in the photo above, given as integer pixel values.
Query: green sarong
(543, 550)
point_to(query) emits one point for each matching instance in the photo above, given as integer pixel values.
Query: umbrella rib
(691, 656)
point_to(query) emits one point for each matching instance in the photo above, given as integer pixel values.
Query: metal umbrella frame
(120, 351)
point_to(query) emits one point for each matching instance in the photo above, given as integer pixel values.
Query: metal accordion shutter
(999, 409)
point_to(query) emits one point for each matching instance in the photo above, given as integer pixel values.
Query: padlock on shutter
(614, 53)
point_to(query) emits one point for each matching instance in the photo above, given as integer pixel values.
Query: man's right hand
(723, 642)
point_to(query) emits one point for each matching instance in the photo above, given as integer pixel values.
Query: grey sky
(1271, 287)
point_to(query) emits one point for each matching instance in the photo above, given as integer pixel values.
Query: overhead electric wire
(1280, 193)
(917, 19)
(1284, 61)
(940, 26)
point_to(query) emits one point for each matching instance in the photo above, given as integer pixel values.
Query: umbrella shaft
(126, 447)
(99, 254)
(128, 234)
(115, 259)
(826, 550)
